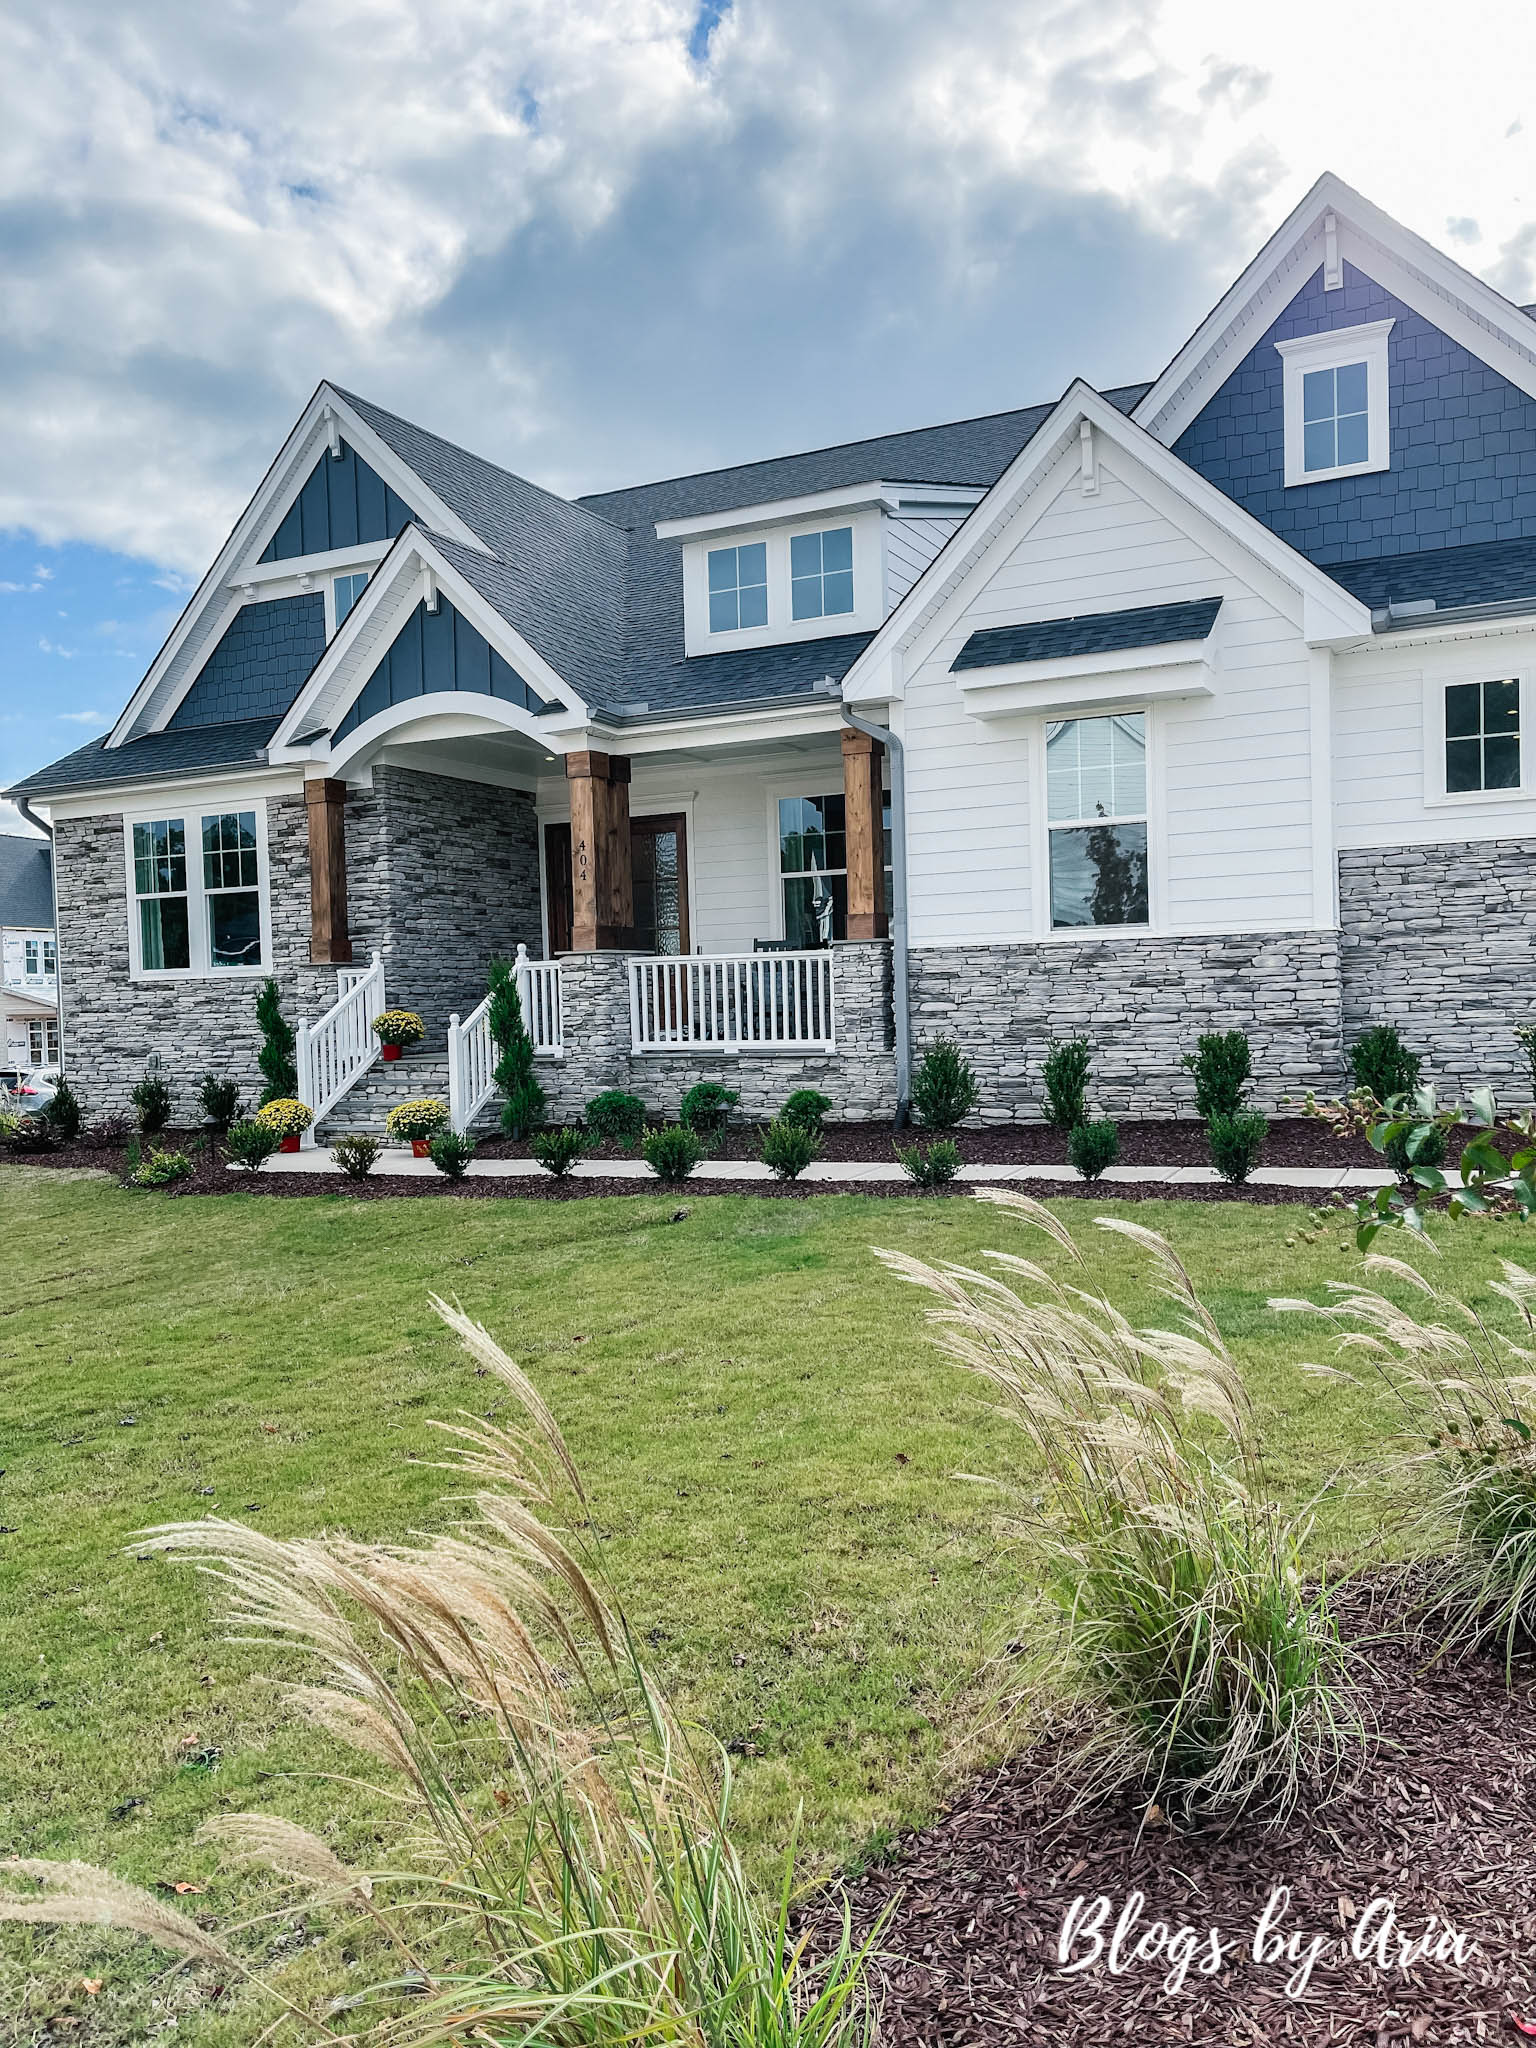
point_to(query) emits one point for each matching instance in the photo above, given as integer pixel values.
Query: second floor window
(1482, 736)
(1335, 412)
(40, 957)
(346, 590)
(1096, 809)
(738, 587)
(821, 573)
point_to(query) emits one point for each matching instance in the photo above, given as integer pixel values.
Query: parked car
(33, 1091)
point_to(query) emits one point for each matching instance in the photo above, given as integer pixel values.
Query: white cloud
(85, 718)
(13, 823)
(51, 647)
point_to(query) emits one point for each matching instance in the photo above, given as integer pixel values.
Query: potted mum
(397, 1029)
(287, 1119)
(419, 1121)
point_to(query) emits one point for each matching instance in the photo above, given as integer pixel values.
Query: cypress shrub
(1066, 1084)
(279, 1071)
(524, 1098)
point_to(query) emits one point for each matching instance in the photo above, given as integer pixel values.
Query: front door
(659, 848)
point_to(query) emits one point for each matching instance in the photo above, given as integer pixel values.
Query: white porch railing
(334, 1054)
(773, 1001)
(472, 1050)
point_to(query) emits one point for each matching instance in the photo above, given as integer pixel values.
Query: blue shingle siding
(433, 652)
(1148, 625)
(260, 664)
(1463, 441)
(342, 504)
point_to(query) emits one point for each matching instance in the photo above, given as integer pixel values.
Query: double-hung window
(738, 587)
(813, 868)
(821, 573)
(1096, 815)
(40, 957)
(1482, 736)
(43, 1041)
(197, 905)
(345, 591)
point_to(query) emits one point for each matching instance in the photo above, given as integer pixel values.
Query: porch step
(388, 1082)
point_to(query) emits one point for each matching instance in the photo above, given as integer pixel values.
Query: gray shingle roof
(177, 751)
(26, 882)
(1148, 625)
(1484, 572)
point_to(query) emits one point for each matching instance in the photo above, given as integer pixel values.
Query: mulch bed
(1442, 1823)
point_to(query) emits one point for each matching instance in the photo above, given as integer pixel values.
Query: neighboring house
(1215, 696)
(29, 970)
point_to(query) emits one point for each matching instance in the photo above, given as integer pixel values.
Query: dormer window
(738, 587)
(821, 573)
(1336, 417)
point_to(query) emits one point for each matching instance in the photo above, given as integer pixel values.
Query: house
(1202, 703)
(29, 974)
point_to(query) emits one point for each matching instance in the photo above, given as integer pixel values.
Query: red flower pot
(421, 1148)
(290, 1143)
(393, 1052)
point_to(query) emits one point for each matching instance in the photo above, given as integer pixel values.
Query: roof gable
(342, 503)
(437, 652)
(260, 664)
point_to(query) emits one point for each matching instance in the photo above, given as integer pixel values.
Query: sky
(602, 241)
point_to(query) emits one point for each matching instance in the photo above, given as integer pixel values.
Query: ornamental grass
(567, 1839)
(1204, 1671)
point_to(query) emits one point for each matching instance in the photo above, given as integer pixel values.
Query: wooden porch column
(863, 815)
(602, 869)
(328, 941)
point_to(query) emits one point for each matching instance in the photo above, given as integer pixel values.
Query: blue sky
(606, 240)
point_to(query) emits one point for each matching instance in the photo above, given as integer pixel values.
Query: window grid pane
(821, 573)
(1335, 414)
(738, 587)
(813, 861)
(1482, 736)
(1096, 768)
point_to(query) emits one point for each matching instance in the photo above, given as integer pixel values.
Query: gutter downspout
(32, 819)
(900, 989)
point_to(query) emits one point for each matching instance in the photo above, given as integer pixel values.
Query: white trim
(192, 815)
(813, 504)
(1073, 685)
(1436, 796)
(1154, 818)
(1331, 349)
(782, 629)
(1325, 865)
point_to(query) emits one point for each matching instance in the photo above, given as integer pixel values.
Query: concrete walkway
(744, 1171)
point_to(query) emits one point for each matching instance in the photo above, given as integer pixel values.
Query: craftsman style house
(1201, 703)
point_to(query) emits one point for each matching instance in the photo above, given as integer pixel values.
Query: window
(813, 868)
(1336, 412)
(41, 957)
(1482, 736)
(43, 1041)
(1096, 811)
(198, 905)
(345, 591)
(821, 573)
(738, 587)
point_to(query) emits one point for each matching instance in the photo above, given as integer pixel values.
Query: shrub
(932, 1165)
(63, 1113)
(284, 1117)
(706, 1107)
(523, 1096)
(9, 1119)
(1222, 1067)
(557, 1151)
(33, 1133)
(220, 1099)
(423, 1118)
(1381, 1062)
(672, 1152)
(398, 1027)
(1525, 1038)
(356, 1154)
(160, 1170)
(1237, 1143)
(250, 1144)
(788, 1149)
(943, 1088)
(1066, 1084)
(111, 1133)
(616, 1116)
(451, 1153)
(152, 1099)
(807, 1109)
(280, 1074)
(1424, 1145)
(1092, 1147)
(1210, 1675)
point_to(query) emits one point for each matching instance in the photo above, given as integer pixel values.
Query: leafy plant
(356, 1153)
(1222, 1066)
(113, 1131)
(706, 1107)
(807, 1109)
(1422, 1145)
(1237, 1143)
(9, 1119)
(1212, 1675)
(931, 1165)
(153, 1101)
(280, 1073)
(1381, 1062)
(523, 1095)
(673, 1152)
(64, 1112)
(451, 1152)
(788, 1149)
(250, 1144)
(944, 1087)
(284, 1117)
(556, 1814)
(557, 1151)
(1525, 1038)
(1093, 1147)
(1066, 1084)
(616, 1116)
(220, 1099)
(422, 1118)
(160, 1169)
(32, 1133)
(399, 1027)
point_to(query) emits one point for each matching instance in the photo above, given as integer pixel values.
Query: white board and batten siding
(1230, 776)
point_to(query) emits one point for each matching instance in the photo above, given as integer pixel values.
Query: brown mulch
(1442, 1824)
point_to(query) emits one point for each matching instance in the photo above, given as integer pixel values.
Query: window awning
(1092, 658)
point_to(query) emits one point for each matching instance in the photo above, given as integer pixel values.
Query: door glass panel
(659, 883)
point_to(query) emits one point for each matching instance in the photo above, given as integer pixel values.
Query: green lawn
(768, 1435)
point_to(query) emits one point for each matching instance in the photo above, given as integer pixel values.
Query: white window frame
(46, 969)
(47, 1029)
(332, 623)
(1333, 350)
(868, 584)
(829, 784)
(192, 811)
(1046, 933)
(1436, 684)
(820, 533)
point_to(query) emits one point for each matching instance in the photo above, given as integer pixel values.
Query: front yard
(768, 1434)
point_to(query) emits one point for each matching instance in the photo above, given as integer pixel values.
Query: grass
(764, 1426)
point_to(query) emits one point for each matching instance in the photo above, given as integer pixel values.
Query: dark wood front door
(660, 851)
(557, 886)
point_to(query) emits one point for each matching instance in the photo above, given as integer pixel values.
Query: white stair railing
(731, 1002)
(472, 1050)
(333, 1054)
